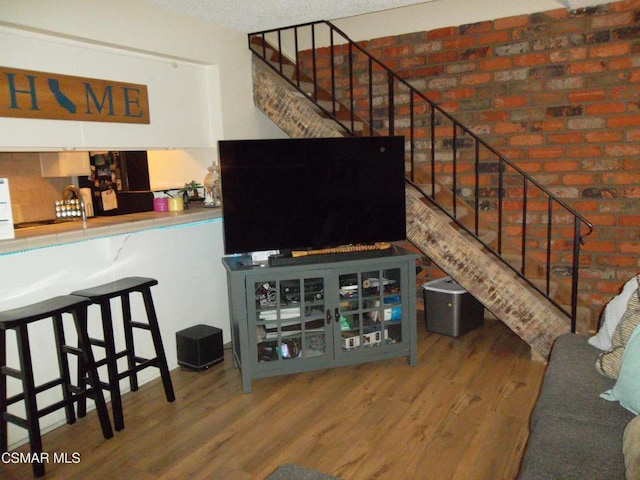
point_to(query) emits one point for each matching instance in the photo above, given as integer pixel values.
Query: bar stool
(18, 320)
(102, 295)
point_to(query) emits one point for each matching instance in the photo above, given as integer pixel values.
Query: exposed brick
(475, 79)
(531, 59)
(474, 53)
(510, 102)
(630, 192)
(546, 153)
(564, 166)
(491, 38)
(596, 246)
(531, 139)
(582, 68)
(565, 83)
(616, 261)
(586, 96)
(447, 32)
(501, 63)
(510, 22)
(598, 164)
(603, 137)
(565, 138)
(627, 33)
(512, 49)
(530, 31)
(428, 47)
(475, 28)
(568, 55)
(597, 37)
(585, 123)
(629, 220)
(621, 178)
(626, 121)
(549, 125)
(612, 20)
(565, 111)
(622, 150)
(576, 178)
(613, 50)
(629, 247)
(510, 127)
(443, 57)
(510, 75)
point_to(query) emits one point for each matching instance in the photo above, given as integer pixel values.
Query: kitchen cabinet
(296, 318)
(64, 164)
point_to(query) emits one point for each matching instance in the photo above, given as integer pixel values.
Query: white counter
(182, 250)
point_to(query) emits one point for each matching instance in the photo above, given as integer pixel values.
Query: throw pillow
(612, 314)
(631, 449)
(608, 363)
(627, 387)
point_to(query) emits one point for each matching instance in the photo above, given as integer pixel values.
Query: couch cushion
(572, 386)
(631, 448)
(627, 387)
(609, 362)
(568, 449)
(612, 314)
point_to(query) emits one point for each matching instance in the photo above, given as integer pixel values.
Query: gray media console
(296, 318)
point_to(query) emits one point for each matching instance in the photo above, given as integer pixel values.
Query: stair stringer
(496, 286)
(285, 107)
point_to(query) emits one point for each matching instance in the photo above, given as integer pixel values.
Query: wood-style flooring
(461, 413)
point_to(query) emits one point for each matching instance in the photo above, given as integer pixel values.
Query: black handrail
(556, 209)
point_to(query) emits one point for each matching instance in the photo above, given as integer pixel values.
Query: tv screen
(299, 194)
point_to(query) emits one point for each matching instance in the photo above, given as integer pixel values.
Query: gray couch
(575, 434)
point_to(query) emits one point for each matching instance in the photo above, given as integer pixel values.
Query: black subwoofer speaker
(199, 347)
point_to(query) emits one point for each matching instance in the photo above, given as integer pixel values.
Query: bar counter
(96, 227)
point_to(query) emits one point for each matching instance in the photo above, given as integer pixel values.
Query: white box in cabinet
(64, 164)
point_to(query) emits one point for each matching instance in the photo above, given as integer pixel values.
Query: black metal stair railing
(366, 97)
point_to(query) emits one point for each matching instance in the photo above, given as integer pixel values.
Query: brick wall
(557, 92)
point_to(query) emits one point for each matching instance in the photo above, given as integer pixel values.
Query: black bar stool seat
(18, 320)
(101, 295)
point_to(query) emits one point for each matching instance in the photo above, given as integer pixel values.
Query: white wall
(185, 259)
(141, 28)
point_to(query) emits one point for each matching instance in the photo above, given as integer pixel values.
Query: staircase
(463, 198)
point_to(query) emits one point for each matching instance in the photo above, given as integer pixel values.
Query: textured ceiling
(256, 15)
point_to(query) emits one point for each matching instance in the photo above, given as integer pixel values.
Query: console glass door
(370, 312)
(290, 319)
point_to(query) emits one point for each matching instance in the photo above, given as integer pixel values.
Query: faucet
(75, 191)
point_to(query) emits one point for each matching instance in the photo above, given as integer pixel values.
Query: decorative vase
(211, 184)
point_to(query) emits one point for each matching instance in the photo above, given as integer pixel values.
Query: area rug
(291, 471)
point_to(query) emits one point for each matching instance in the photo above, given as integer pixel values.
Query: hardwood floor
(461, 413)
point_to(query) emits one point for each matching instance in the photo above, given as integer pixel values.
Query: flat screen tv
(316, 193)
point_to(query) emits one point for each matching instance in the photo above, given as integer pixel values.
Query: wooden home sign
(31, 94)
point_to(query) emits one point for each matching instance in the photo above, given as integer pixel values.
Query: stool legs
(18, 321)
(112, 366)
(29, 388)
(161, 358)
(89, 365)
(4, 441)
(102, 296)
